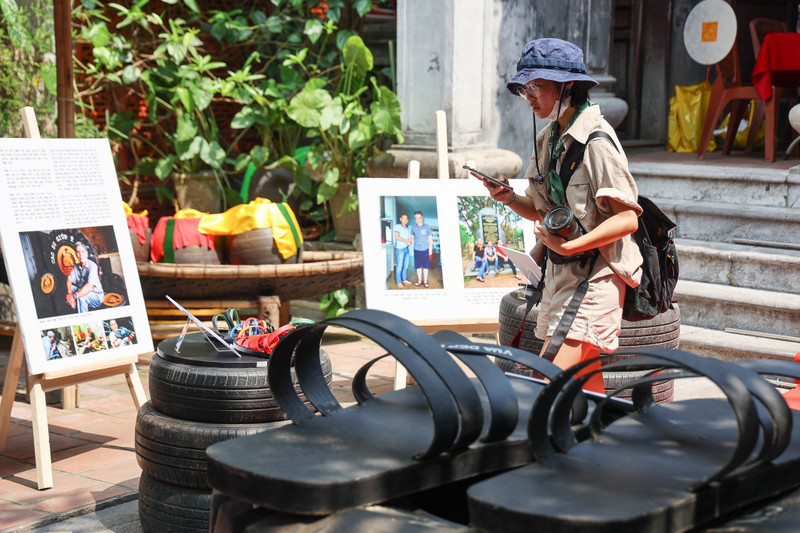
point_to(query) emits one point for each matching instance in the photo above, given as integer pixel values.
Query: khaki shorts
(599, 316)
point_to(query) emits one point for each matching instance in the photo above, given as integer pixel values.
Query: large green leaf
(362, 134)
(185, 97)
(385, 109)
(362, 6)
(357, 54)
(306, 107)
(190, 149)
(187, 127)
(332, 115)
(131, 74)
(259, 155)
(212, 154)
(325, 192)
(200, 96)
(164, 166)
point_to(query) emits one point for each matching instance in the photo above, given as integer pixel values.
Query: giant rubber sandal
(443, 430)
(668, 467)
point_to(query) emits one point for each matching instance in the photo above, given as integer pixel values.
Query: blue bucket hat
(549, 59)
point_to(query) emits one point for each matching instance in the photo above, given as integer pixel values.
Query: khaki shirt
(602, 174)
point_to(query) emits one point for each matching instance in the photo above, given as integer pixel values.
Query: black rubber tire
(174, 450)
(217, 394)
(165, 508)
(661, 330)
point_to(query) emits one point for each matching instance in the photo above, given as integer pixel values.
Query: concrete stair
(737, 300)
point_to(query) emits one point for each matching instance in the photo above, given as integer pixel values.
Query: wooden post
(62, 26)
(442, 164)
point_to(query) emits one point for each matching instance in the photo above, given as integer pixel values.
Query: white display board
(458, 211)
(67, 250)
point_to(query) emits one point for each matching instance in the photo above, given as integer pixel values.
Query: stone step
(739, 265)
(724, 222)
(732, 346)
(713, 306)
(741, 186)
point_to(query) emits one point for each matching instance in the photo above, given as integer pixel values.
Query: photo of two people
(410, 242)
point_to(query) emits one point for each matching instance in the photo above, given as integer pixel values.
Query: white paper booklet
(525, 263)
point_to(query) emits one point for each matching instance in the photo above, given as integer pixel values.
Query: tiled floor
(92, 446)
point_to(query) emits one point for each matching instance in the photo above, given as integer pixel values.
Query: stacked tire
(191, 407)
(661, 330)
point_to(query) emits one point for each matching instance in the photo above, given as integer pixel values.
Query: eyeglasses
(531, 89)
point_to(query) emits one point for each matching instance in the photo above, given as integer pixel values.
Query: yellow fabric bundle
(189, 213)
(129, 211)
(259, 214)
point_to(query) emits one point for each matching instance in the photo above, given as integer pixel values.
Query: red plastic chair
(727, 88)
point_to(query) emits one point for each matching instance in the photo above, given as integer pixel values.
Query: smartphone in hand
(487, 177)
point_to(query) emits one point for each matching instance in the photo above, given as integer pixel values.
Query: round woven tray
(319, 273)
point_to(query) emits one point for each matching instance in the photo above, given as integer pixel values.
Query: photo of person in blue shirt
(422, 238)
(402, 242)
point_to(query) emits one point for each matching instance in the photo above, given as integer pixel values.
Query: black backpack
(654, 238)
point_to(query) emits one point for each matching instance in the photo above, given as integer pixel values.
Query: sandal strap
(458, 419)
(463, 392)
(736, 391)
(503, 405)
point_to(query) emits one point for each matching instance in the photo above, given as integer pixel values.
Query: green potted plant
(345, 131)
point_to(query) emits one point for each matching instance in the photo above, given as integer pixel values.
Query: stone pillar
(445, 61)
(590, 28)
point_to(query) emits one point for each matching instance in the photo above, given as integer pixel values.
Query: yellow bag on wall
(687, 115)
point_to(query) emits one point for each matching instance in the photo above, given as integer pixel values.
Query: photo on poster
(483, 226)
(89, 337)
(58, 343)
(74, 270)
(409, 235)
(120, 332)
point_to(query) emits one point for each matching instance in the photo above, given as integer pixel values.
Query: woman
(551, 77)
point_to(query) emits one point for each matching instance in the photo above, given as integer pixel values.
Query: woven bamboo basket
(319, 273)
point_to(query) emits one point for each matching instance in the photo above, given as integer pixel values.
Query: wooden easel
(463, 325)
(37, 385)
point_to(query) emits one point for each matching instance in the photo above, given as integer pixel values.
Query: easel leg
(41, 435)
(135, 385)
(400, 376)
(10, 386)
(69, 397)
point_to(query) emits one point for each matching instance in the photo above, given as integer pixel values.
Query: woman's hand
(554, 242)
(498, 193)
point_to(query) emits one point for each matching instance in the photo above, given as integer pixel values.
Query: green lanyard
(555, 187)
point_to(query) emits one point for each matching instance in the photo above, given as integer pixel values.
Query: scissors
(231, 319)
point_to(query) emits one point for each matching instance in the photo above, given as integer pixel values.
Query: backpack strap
(574, 155)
